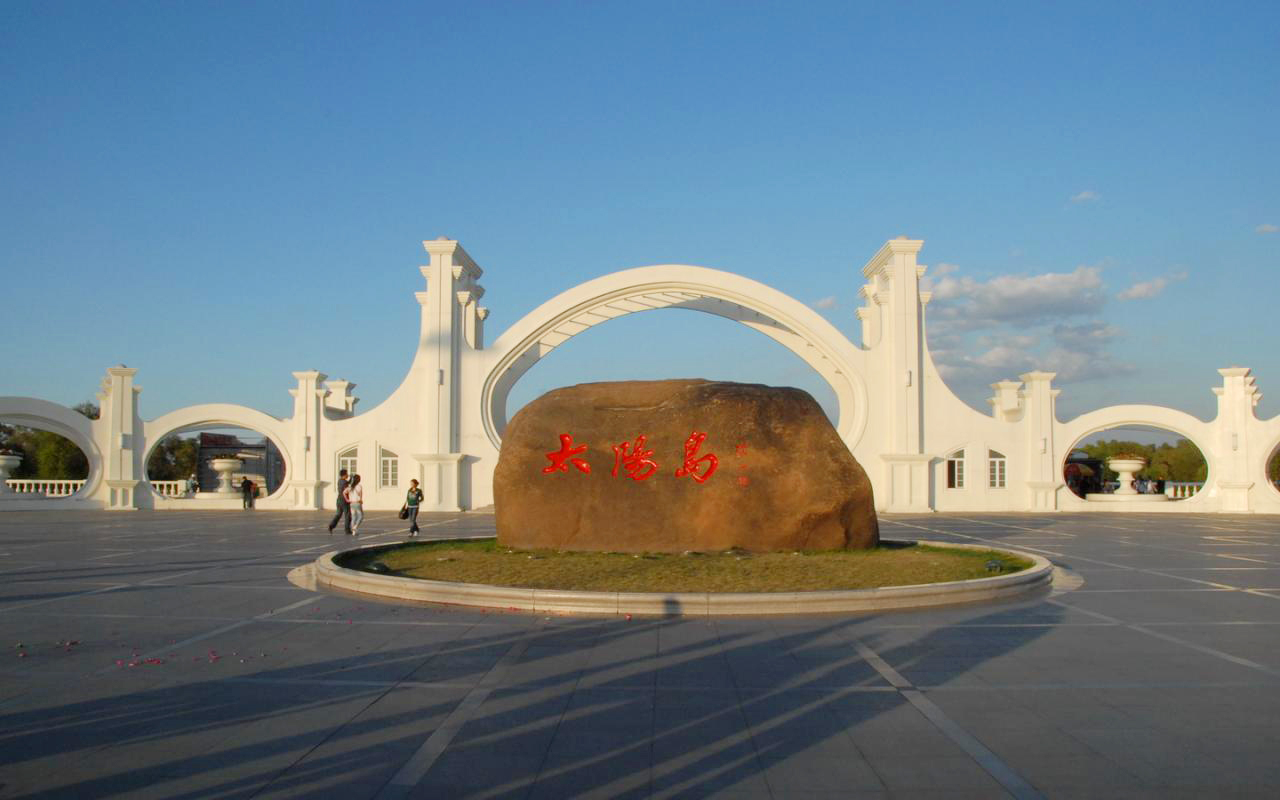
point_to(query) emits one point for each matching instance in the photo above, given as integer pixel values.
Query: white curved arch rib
(32, 412)
(760, 307)
(1180, 422)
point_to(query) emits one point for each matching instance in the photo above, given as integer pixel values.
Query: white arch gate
(444, 423)
(761, 308)
(1197, 431)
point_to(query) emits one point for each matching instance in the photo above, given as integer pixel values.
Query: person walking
(246, 492)
(355, 499)
(344, 508)
(411, 502)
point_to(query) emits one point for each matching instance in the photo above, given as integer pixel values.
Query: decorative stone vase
(8, 463)
(224, 467)
(1126, 467)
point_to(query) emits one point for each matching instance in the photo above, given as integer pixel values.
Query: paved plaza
(167, 655)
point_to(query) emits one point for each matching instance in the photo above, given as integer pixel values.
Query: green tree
(47, 455)
(1182, 461)
(172, 459)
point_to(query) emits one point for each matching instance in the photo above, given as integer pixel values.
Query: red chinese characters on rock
(566, 453)
(740, 450)
(692, 462)
(637, 462)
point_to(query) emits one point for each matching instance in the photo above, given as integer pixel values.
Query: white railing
(66, 488)
(170, 488)
(1181, 490)
(48, 488)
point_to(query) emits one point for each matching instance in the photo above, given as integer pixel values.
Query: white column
(892, 327)
(1038, 418)
(119, 411)
(452, 327)
(1229, 465)
(308, 410)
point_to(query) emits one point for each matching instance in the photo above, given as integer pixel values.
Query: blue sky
(247, 186)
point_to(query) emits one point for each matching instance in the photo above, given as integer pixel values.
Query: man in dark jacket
(246, 492)
(344, 510)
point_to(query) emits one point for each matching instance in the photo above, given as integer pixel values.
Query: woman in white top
(354, 493)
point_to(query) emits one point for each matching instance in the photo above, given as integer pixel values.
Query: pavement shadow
(659, 706)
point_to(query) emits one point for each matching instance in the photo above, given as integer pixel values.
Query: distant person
(193, 484)
(355, 499)
(344, 508)
(411, 502)
(246, 492)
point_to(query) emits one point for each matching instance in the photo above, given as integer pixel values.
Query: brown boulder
(721, 465)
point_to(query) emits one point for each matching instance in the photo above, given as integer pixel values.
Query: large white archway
(1193, 430)
(211, 415)
(31, 412)
(761, 308)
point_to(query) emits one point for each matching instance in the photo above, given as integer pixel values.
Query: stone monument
(679, 465)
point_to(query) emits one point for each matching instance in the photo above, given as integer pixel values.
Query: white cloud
(943, 268)
(1019, 299)
(1090, 335)
(1268, 228)
(1151, 288)
(826, 302)
(1087, 196)
(983, 331)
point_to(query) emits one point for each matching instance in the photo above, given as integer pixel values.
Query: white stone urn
(1126, 467)
(8, 463)
(224, 467)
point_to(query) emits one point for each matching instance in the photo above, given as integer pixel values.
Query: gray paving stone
(1137, 685)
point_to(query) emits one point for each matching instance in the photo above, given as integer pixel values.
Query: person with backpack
(411, 502)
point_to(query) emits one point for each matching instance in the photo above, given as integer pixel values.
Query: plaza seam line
(218, 631)
(64, 597)
(1244, 662)
(418, 764)
(1005, 775)
(1059, 554)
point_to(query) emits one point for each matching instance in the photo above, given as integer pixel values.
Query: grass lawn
(487, 562)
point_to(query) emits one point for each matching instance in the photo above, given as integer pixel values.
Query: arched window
(995, 469)
(347, 460)
(388, 468)
(955, 470)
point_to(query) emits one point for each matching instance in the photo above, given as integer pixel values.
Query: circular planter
(224, 467)
(1037, 577)
(8, 463)
(1126, 468)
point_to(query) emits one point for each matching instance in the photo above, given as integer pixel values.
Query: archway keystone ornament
(673, 466)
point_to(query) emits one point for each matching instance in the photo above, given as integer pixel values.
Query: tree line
(1182, 461)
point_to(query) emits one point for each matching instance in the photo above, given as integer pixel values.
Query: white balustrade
(48, 488)
(1181, 490)
(66, 488)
